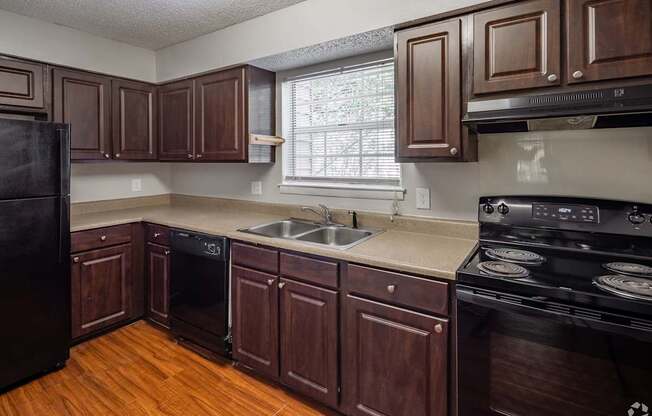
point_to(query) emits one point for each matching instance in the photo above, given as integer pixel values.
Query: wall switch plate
(256, 188)
(136, 185)
(423, 198)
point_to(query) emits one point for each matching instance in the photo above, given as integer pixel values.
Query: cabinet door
(83, 101)
(101, 289)
(21, 84)
(158, 271)
(255, 320)
(517, 47)
(175, 121)
(220, 116)
(309, 340)
(395, 361)
(429, 90)
(134, 121)
(608, 39)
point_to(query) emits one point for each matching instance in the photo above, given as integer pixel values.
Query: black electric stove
(555, 308)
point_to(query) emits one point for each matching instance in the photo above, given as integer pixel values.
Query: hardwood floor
(139, 370)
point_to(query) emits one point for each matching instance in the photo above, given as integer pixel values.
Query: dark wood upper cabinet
(608, 39)
(517, 47)
(158, 271)
(22, 83)
(395, 362)
(83, 101)
(309, 340)
(220, 133)
(134, 121)
(101, 289)
(428, 66)
(255, 320)
(176, 102)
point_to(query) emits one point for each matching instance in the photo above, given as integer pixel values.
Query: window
(340, 127)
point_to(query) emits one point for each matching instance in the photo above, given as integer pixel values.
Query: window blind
(341, 126)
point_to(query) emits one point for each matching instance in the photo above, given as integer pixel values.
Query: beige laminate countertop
(429, 254)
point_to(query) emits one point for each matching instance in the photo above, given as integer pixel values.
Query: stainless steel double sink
(335, 236)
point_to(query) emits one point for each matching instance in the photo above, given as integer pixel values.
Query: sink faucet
(323, 211)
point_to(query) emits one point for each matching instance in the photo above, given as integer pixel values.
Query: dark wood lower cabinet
(309, 340)
(101, 287)
(158, 272)
(395, 362)
(255, 320)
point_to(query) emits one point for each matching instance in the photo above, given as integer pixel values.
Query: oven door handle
(493, 303)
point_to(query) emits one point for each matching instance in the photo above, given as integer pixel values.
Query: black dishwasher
(199, 290)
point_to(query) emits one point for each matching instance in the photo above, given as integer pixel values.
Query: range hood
(629, 106)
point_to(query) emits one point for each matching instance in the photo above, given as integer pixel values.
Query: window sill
(339, 190)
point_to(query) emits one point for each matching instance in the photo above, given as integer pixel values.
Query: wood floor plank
(139, 370)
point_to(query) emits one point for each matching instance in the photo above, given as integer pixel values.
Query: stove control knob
(488, 208)
(636, 218)
(503, 209)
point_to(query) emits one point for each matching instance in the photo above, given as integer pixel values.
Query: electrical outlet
(136, 185)
(423, 198)
(256, 188)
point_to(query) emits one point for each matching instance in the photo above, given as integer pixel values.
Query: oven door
(522, 360)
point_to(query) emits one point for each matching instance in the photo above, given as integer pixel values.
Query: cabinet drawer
(310, 270)
(259, 258)
(158, 234)
(100, 237)
(399, 289)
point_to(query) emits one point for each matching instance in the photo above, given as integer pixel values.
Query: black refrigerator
(34, 248)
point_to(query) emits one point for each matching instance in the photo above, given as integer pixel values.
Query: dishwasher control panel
(199, 244)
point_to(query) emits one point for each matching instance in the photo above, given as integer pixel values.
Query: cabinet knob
(552, 78)
(270, 282)
(439, 328)
(453, 151)
(103, 238)
(107, 156)
(167, 252)
(75, 259)
(117, 155)
(199, 156)
(578, 74)
(281, 285)
(391, 288)
(157, 235)
(190, 156)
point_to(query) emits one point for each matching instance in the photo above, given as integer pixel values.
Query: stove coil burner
(503, 269)
(629, 269)
(625, 286)
(512, 255)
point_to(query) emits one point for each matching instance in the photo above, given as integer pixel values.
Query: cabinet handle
(439, 328)
(167, 252)
(391, 288)
(190, 156)
(453, 151)
(157, 235)
(270, 282)
(578, 74)
(75, 259)
(552, 78)
(117, 155)
(103, 238)
(199, 156)
(281, 285)
(107, 156)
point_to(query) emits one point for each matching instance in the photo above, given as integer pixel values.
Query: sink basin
(283, 229)
(339, 237)
(335, 236)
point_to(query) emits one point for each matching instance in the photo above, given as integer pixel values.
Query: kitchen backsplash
(614, 164)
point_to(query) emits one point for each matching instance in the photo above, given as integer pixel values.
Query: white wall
(613, 164)
(35, 39)
(304, 24)
(101, 181)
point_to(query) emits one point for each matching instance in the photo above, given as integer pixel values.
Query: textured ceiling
(373, 41)
(152, 24)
